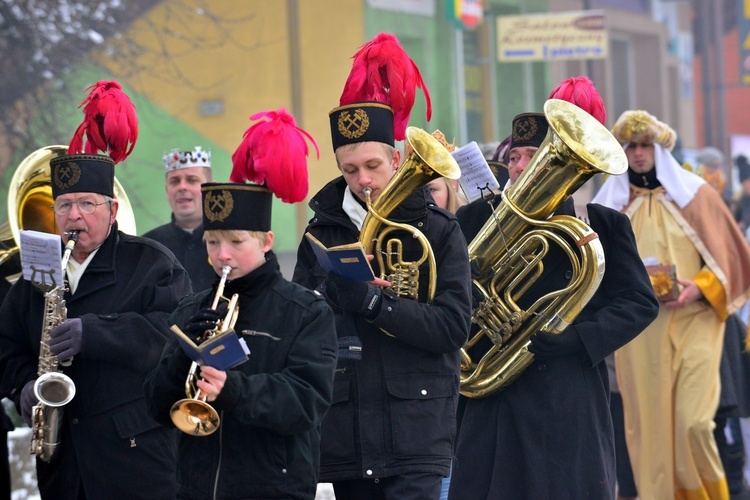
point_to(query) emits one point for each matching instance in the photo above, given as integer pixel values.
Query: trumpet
(193, 415)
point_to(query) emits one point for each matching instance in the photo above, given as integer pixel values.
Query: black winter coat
(394, 410)
(549, 434)
(190, 250)
(271, 406)
(124, 299)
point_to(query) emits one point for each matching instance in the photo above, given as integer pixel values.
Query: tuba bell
(506, 255)
(29, 202)
(426, 160)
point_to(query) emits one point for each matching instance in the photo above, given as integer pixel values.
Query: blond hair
(455, 199)
(389, 150)
(235, 233)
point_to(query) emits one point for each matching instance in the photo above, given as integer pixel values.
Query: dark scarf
(647, 180)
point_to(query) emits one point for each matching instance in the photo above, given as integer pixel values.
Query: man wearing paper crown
(185, 172)
(669, 375)
(120, 292)
(271, 406)
(549, 433)
(390, 429)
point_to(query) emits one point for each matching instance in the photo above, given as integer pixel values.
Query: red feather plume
(273, 151)
(382, 71)
(580, 91)
(110, 123)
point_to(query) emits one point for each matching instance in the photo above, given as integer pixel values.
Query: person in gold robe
(669, 375)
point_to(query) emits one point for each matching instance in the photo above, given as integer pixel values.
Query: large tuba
(29, 202)
(426, 160)
(507, 253)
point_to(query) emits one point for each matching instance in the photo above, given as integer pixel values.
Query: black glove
(477, 297)
(66, 339)
(203, 320)
(550, 345)
(28, 401)
(353, 296)
(350, 348)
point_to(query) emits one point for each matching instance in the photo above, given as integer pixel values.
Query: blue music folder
(349, 261)
(222, 351)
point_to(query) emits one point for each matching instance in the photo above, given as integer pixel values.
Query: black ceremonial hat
(368, 121)
(82, 173)
(236, 206)
(500, 171)
(529, 129)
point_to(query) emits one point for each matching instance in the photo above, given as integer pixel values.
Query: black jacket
(124, 299)
(394, 410)
(271, 406)
(549, 434)
(190, 250)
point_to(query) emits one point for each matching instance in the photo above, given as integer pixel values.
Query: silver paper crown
(177, 159)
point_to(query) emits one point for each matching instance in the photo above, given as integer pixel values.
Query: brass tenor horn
(507, 253)
(427, 160)
(193, 415)
(29, 202)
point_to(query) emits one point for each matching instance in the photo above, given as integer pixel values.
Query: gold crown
(643, 127)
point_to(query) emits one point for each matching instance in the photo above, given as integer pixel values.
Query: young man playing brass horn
(390, 429)
(270, 407)
(548, 435)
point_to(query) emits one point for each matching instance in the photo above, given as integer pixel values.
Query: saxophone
(52, 388)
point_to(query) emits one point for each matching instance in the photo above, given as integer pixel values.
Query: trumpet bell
(194, 417)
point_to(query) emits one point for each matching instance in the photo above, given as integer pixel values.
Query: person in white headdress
(669, 375)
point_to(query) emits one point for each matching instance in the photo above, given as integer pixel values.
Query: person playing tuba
(390, 428)
(549, 433)
(120, 292)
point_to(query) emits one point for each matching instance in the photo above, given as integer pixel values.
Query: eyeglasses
(85, 206)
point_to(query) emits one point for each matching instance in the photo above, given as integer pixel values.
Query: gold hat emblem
(67, 175)
(524, 128)
(218, 207)
(353, 127)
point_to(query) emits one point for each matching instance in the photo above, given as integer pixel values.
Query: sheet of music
(476, 176)
(41, 260)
